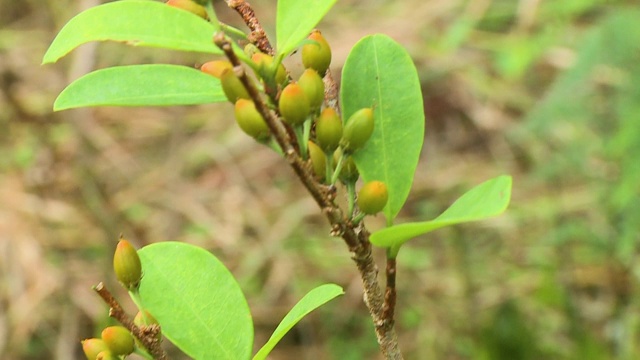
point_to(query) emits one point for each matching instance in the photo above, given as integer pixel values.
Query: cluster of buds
(116, 342)
(323, 137)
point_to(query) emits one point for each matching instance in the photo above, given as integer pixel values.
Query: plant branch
(390, 293)
(355, 235)
(257, 36)
(148, 335)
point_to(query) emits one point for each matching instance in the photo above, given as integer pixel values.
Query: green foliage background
(546, 91)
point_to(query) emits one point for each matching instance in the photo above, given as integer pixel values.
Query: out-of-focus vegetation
(546, 90)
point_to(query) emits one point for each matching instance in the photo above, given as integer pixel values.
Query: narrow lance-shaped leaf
(488, 199)
(196, 300)
(313, 300)
(141, 85)
(295, 19)
(135, 22)
(379, 73)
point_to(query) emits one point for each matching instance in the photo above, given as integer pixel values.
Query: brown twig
(257, 36)
(355, 236)
(390, 292)
(148, 335)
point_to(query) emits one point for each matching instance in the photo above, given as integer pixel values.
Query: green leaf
(295, 19)
(313, 300)
(139, 23)
(488, 199)
(379, 73)
(141, 85)
(196, 300)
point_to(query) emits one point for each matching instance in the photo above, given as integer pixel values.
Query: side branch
(355, 236)
(148, 336)
(257, 36)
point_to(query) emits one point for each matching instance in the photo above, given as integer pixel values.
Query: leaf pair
(154, 24)
(200, 306)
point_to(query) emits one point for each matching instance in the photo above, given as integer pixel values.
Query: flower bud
(189, 6)
(316, 55)
(250, 120)
(127, 266)
(293, 105)
(357, 130)
(328, 130)
(92, 347)
(318, 160)
(373, 197)
(232, 87)
(118, 339)
(313, 86)
(216, 67)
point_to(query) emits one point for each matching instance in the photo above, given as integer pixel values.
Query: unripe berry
(92, 347)
(118, 339)
(293, 105)
(127, 266)
(106, 355)
(232, 86)
(316, 55)
(264, 62)
(313, 86)
(373, 197)
(328, 130)
(349, 172)
(189, 6)
(216, 67)
(250, 120)
(357, 130)
(318, 160)
(144, 320)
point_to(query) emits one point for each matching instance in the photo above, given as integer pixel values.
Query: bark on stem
(356, 236)
(148, 336)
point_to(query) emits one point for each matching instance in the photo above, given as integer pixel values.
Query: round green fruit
(232, 86)
(318, 160)
(264, 62)
(190, 6)
(118, 339)
(316, 55)
(93, 347)
(250, 120)
(294, 105)
(328, 130)
(357, 130)
(216, 67)
(126, 265)
(373, 197)
(313, 86)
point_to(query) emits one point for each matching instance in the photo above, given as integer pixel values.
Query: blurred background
(545, 90)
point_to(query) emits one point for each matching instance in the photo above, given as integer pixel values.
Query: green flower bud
(318, 160)
(349, 172)
(264, 62)
(293, 105)
(216, 67)
(328, 130)
(357, 130)
(118, 339)
(92, 347)
(232, 86)
(313, 86)
(190, 6)
(373, 197)
(250, 120)
(316, 55)
(127, 266)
